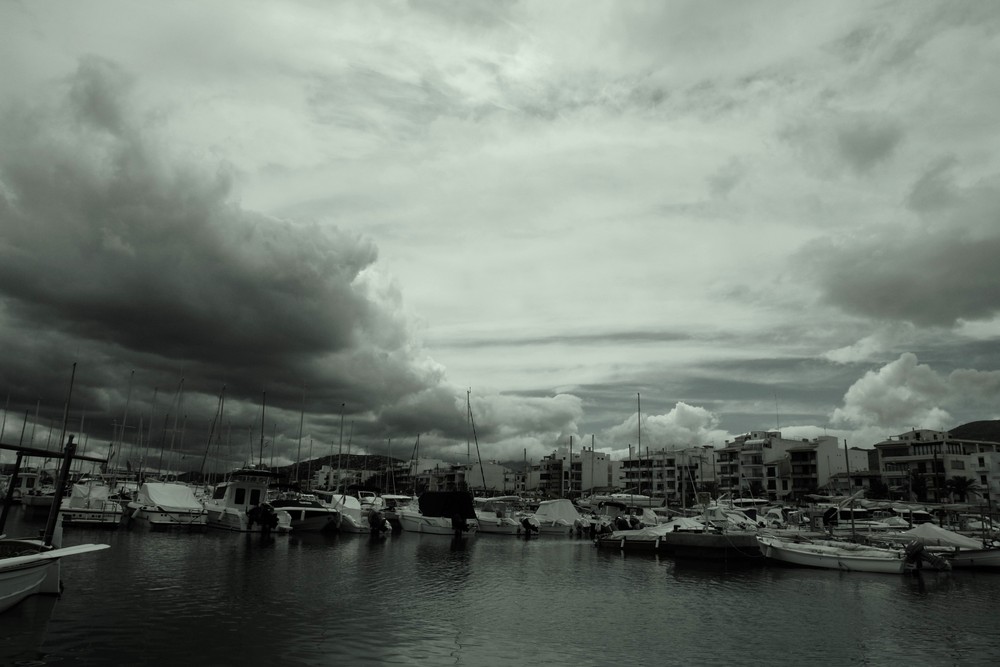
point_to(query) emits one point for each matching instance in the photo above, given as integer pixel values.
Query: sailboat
(31, 565)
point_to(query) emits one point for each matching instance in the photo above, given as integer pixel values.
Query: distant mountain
(987, 431)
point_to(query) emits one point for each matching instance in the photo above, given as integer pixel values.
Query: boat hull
(974, 558)
(235, 520)
(306, 521)
(499, 526)
(18, 583)
(433, 525)
(831, 559)
(159, 519)
(25, 571)
(107, 517)
(713, 546)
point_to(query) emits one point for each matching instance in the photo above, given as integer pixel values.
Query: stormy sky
(315, 223)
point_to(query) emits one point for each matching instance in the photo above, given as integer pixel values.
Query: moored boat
(307, 513)
(89, 504)
(29, 567)
(240, 504)
(163, 505)
(353, 518)
(960, 550)
(831, 555)
(441, 513)
(495, 515)
(555, 517)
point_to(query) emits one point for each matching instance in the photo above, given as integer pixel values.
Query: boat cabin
(245, 488)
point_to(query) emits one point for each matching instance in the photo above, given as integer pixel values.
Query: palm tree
(959, 486)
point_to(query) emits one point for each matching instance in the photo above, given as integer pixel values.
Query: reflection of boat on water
(24, 629)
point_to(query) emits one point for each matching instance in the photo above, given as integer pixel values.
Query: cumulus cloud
(684, 426)
(905, 394)
(874, 346)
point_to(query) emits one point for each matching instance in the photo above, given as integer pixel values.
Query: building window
(957, 465)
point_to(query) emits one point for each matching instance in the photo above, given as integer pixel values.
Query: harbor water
(217, 598)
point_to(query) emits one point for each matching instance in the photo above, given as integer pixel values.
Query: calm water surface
(217, 598)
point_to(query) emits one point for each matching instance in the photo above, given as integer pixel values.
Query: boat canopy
(932, 535)
(168, 496)
(553, 510)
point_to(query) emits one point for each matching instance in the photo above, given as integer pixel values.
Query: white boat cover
(169, 497)
(347, 505)
(931, 535)
(550, 511)
(652, 532)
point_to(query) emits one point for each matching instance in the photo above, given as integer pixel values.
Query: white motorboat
(28, 482)
(441, 513)
(307, 513)
(240, 504)
(846, 556)
(89, 504)
(496, 515)
(392, 503)
(161, 505)
(555, 517)
(28, 567)
(353, 518)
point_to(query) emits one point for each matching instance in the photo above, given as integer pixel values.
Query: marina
(159, 597)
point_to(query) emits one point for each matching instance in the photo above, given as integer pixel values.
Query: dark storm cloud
(120, 255)
(610, 337)
(867, 141)
(932, 274)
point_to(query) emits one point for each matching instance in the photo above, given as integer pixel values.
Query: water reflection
(222, 598)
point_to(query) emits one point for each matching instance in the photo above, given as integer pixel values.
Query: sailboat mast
(128, 400)
(263, 401)
(472, 423)
(340, 452)
(298, 456)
